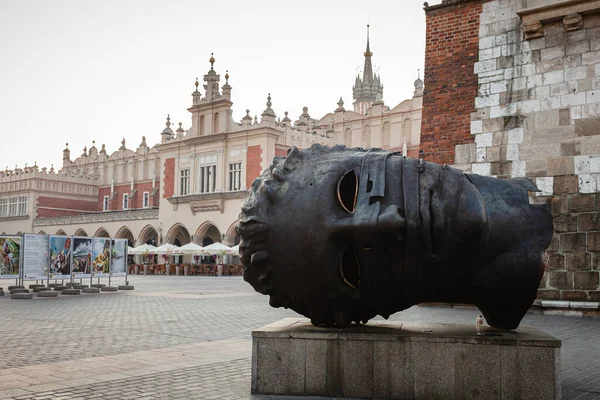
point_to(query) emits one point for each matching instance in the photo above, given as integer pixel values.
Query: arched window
(216, 123)
(407, 129)
(386, 135)
(366, 142)
(201, 125)
(348, 137)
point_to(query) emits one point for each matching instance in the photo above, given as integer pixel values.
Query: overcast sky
(79, 70)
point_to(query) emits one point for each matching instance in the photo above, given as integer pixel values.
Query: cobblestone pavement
(189, 338)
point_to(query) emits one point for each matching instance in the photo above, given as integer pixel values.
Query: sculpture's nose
(390, 221)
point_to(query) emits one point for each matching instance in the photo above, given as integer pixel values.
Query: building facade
(523, 95)
(189, 187)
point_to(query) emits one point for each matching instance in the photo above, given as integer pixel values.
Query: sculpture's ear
(293, 159)
(524, 183)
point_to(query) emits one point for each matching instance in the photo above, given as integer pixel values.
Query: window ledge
(207, 202)
(569, 11)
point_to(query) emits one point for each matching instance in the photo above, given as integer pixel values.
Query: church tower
(368, 89)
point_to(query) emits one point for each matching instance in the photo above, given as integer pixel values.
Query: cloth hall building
(189, 187)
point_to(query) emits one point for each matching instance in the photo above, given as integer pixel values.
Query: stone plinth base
(109, 289)
(48, 293)
(98, 285)
(71, 291)
(21, 296)
(91, 290)
(396, 360)
(125, 287)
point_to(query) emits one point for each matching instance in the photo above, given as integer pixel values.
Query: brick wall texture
(169, 178)
(253, 164)
(451, 50)
(537, 115)
(55, 206)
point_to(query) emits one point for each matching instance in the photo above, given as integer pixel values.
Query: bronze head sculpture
(342, 235)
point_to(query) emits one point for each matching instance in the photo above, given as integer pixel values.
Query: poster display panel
(118, 257)
(100, 257)
(82, 257)
(60, 257)
(36, 256)
(10, 257)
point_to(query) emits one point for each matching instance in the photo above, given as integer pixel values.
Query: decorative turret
(304, 117)
(268, 111)
(212, 82)
(226, 87)
(286, 121)
(66, 156)
(180, 131)
(365, 90)
(340, 106)
(93, 151)
(418, 85)
(247, 120)
(123, 147)
(196, 96)
(167, 133)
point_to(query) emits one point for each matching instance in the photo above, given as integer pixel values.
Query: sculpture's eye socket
(347, 191)
(350, 268)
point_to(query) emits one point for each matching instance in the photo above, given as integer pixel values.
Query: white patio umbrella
(235, 250)
(216, 248)
(191, 248)
(130, 250)
(167, 248)
(142, 249)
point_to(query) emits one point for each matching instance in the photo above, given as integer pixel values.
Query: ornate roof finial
(227, 77)
(180, 129)
(340, 103)
(67, 145)
(196, 83)
(269, 111)
(212, 60)
(168, 120)
(368, 52)
(103, 150)
(123, 145)
(93, 142)
(51, 167)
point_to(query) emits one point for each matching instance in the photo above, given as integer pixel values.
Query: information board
(10, 257)
(82, 257)
(36, 257)
(118, 257)
(100, 257)
(60, 257)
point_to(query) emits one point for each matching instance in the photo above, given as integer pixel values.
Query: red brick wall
(134, 202)
(54, 206)
(451, 50)
(169, 180)
(253, 162)
(280, 152)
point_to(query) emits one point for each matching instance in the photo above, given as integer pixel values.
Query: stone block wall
(538, 116)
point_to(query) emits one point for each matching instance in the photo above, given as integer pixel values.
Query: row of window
(125, 201)
(13, 206)
(208, 177)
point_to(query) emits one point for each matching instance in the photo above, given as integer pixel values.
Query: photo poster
(60, 257)
(100, 257)
(36, 257)
(10, 257)
(82, 257)
(118, 257)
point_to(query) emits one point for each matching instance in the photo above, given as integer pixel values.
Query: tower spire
(368, 69)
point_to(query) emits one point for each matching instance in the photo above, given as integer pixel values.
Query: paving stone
(167, 312)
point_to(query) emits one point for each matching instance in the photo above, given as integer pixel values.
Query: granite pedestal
(404, 360)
